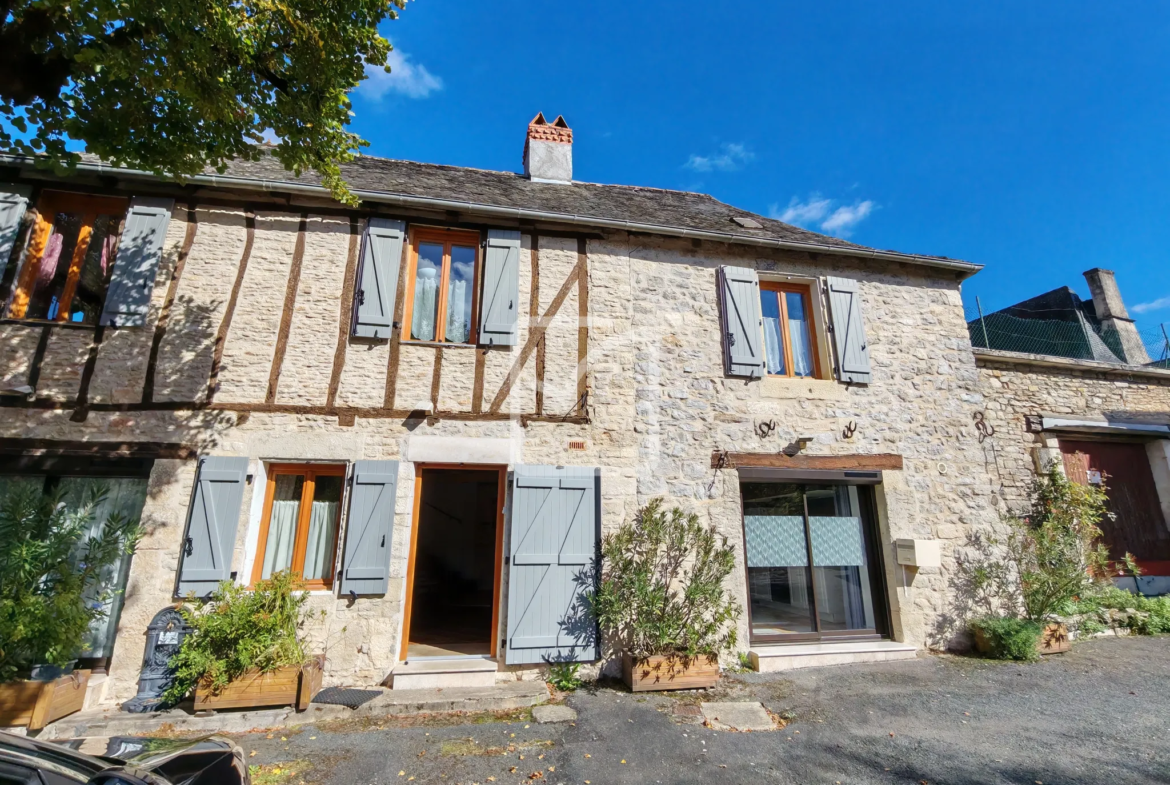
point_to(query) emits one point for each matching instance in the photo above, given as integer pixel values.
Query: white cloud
(412, 80)
(824, 214)
(1152, 305)
(730, 157)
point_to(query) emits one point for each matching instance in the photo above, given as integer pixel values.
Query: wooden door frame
(498, 579)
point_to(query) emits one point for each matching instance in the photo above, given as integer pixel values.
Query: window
(302, 508)
(440, 286)
(69, 256)
(790, 344)
(808, 549)
(113, 488)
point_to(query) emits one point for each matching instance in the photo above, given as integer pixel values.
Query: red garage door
(1139, 527)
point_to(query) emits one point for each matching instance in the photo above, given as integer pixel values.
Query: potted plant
(661, 601)
(53, 586)
(1049, 559)
(245, 648)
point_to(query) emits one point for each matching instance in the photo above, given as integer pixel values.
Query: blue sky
(1031, 137)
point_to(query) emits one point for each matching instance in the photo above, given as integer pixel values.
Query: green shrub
(563, 676)
(51, 573)
(238, 629)
(1009, 638)
(1113, 598)
(1090, 626)
(662, 586)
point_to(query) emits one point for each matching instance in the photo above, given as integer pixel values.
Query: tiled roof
(680, 213)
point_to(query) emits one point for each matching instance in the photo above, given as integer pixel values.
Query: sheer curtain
(322, 531)
(773, 347)
(426, 289)
(458, 320)
(282, 525)
(798, 334)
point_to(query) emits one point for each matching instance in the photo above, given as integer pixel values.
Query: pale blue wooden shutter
(212, 522)
(139, 251)
(366, 566)
(501, 289)
(743, 323)
(848, 331)
(13, 203)
(378, 282)
(554, 532)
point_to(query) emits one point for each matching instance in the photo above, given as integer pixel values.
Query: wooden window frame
(311, 471)
(805, 291)
(446, 238)
(48, 206)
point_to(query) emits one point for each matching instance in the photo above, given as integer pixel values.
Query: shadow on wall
(972, 591)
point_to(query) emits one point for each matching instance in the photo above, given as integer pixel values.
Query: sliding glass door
(809, 550)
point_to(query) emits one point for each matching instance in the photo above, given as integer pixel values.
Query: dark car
(121, 760)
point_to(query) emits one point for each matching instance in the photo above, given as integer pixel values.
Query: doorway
(453, 577)
(812, 564)
(1137, 525)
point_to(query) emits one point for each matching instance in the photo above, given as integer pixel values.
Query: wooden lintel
(744, 460)
(17, 446)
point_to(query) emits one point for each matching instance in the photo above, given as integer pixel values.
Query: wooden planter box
(37, 703)
(669, 672)
(1054, 639)
(291, 686)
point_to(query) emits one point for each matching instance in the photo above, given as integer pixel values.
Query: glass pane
(840, 572)
(459, 291)
(322, 529)
(125, 498)
(426, 291)
(773, 340)
(86, 305)
(282, 523)
(779, 581)
(52, 272)
(798, 333)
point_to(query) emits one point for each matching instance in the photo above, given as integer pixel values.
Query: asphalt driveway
(1099, 714)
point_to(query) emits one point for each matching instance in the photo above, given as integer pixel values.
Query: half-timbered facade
(432, 405)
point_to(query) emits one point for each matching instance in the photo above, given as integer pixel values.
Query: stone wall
(1018, 388)
(658, 406)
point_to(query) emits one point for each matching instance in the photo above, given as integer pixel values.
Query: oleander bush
(662, 589)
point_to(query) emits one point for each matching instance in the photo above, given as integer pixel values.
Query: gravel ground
(1099, 714)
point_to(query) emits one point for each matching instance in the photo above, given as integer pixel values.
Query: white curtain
(773, 347)
(458, 320)
(282, 525)
(801, 351)
(426, 288)
(322, 532)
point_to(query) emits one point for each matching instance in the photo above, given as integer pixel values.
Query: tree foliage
(174, 87)
(51, 586)
(662, 586)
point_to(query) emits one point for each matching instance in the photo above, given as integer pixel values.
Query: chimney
(548, 151)
(1111, 313)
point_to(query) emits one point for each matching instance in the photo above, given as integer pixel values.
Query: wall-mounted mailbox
(918, 553)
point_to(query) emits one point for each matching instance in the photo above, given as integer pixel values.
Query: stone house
(433, 405)
(1072, 383)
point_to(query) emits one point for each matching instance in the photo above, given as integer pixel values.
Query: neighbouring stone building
(433, 405)
(1073, 384)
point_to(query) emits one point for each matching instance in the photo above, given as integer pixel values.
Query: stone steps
(422, 674)
(783, 657)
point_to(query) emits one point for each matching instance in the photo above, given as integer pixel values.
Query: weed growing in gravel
(563, 676)
(278, 773)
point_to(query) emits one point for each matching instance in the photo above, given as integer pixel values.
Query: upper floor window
(69, 256)
(302, 509)
(440, 286)
(790, 343)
